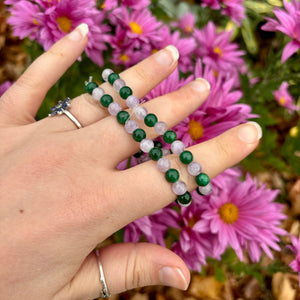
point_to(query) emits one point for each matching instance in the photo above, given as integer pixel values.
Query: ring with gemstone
(62, 108)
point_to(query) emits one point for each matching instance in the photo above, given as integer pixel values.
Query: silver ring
(62, 108)
(104, 292)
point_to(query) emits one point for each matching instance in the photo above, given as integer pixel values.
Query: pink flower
(213, 4)
(4, 86)
(289, 24)
(295, 247)
(244, 216)
(283, 97)
(136, 4)
(186, 23)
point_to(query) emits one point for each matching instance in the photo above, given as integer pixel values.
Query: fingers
(142, 78)
(151, 189)
(21, 102)
(127, 266)
(168, 108)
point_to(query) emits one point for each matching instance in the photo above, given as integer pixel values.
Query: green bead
(125, 92)
(106, 100)
(150, 120)
(155, 154)
(185, 199)
(112, 78)
(88, 88)
(172, 175)
(139, 134)
(158, 144)
(138, 154)
(186, 157)
(170, 136)
(202, 179)
(122, 117)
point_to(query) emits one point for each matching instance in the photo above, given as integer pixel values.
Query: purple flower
(136, 4)
(295, 247)
(186, 23)
(244, 216)
(284, 98)
(217, 51)
(289, 24)
(4, 86)
(213, 4)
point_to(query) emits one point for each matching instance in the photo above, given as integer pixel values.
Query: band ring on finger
(104, 292)
(62, 108)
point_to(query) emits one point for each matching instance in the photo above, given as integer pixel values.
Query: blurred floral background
(241, 241)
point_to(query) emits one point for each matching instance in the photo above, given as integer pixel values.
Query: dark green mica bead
(186, 157)
(139, 134)
(106, 100)
(170, 136)
(125, 92)
(172, 175)
(202, 179)
(122, 116)
(112, 78)
(155, 154)
(138, 154)
(88, 88)
(158, 144)
(150, 120)
(185, 199)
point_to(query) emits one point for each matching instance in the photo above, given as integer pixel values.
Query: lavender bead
(179, 187)
(194, 168)
(177, 147)
(132, 101)
(97, 93)
(106, 73)
(163, 164)
(118, 84)
(205, 190)
(146, 145)
(114, 108)
(131, 126)
(140, 112)
(160, 128)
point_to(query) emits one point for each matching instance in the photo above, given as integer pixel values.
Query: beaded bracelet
(184, 197)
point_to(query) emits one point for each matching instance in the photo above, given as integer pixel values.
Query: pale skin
(60, 192)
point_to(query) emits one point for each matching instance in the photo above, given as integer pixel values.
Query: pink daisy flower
(284, 98)
(244, 216)
(213, 4)
(186, 23)
(136, 4)
(4, 86)
(289, 24)
(235, 10)
(295, 247)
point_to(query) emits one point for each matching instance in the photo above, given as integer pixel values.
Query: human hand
(61, 193)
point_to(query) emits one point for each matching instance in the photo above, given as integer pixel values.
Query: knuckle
(223, 150)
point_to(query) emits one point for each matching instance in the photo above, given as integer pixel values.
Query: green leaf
(220, 274)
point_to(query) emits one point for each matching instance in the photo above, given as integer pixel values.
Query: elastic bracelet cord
(179, 187)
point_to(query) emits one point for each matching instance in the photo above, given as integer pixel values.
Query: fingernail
(250, 132)
(79, 32)
(173, 277)
(164, 58)
(201, 85)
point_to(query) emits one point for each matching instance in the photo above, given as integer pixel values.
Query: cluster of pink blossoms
(238, 214)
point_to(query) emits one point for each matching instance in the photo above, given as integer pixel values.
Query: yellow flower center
(35, 22)
(154, 51)
(218, 51)
(136, 28)
(282, 101)
(188, 28)
(195, 130)
(294, 131)
(229, 213)
(192, 222)
(64, 24)
(216, 73)
(124, 57)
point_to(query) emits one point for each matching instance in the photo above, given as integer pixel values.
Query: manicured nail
(250, 132)
(79, 32)
(173, 277)
(201, 85)
(164, 58)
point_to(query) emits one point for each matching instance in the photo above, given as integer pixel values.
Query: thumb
(127, 266)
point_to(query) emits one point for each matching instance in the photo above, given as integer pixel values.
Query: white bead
(118, 84)
(131, 126)
(97, 93)
(194, 168)
(132, 101)
(140, 112)
(160, 128)
(177, 147)
(106, 73)
(146, 145)
(179, 187)
(205, 190)
(163, 164)
(114, 108)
